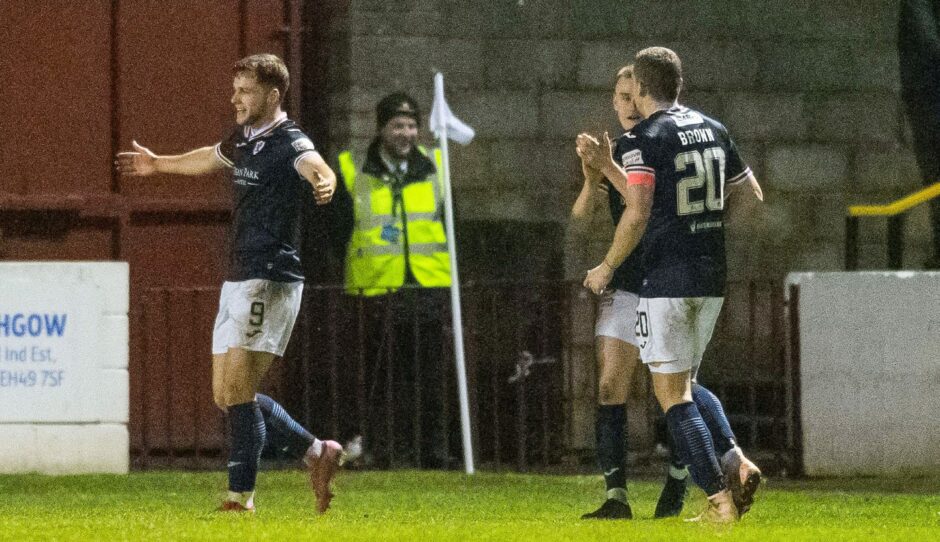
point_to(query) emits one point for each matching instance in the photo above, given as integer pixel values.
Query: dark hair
(268, 70)
(658, 71)
(393, 105)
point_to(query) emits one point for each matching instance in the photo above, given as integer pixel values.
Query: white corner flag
(445, 125)
(443, 120)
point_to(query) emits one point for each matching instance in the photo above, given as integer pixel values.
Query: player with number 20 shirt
(694, 160)
(674, 174)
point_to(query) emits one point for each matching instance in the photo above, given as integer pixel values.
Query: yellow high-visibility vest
(375, 258)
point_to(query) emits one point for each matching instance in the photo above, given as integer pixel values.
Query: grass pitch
(418, 506)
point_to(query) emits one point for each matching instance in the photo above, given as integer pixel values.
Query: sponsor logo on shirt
(246, 173)
(302, 144)
(632, 158)
(687, 118)
(699, 226)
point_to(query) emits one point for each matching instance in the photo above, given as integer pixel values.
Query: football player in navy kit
(675, 175)
(273, 163)
(615, 343)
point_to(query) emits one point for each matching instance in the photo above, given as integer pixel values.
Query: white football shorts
(257, 315)
(616, 315)
(674, 331)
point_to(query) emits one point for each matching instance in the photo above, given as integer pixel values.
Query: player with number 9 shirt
(274, 166)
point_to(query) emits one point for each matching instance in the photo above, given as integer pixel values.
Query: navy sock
(246, 440)
(611, 445)
(694, 443)
(284, 434)
(260, 435)
(675, 460)
(714, 415)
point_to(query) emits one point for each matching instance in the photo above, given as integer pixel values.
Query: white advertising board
(869, 371)
(63, 365)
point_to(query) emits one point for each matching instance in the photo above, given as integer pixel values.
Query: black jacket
(919, 56)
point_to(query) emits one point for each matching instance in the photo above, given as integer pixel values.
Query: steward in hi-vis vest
(398, 233)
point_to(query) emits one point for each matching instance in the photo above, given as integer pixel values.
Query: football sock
(317, 446)
(611, 449)
(695, 446)
(677, 468)
(259, 434)
(284, 433)
(246, 440)
(714, 416)
(678, 472)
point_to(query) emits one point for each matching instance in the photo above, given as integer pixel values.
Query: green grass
(418, 506)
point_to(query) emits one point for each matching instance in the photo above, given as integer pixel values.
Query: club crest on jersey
(632, 158)
(303, 144)
(258, 146)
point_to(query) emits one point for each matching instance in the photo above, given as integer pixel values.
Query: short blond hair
(625, 72)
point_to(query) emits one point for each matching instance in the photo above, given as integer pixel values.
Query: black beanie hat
(396, 103)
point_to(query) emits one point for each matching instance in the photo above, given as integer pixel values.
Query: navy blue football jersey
(690, 159)
(269, 197)
(629, 275)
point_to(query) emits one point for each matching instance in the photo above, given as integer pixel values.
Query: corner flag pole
(441, 130)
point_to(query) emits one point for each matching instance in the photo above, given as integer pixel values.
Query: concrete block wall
(809, 89)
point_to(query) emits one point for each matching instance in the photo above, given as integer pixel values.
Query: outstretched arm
(142, 162)
(315, 170)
